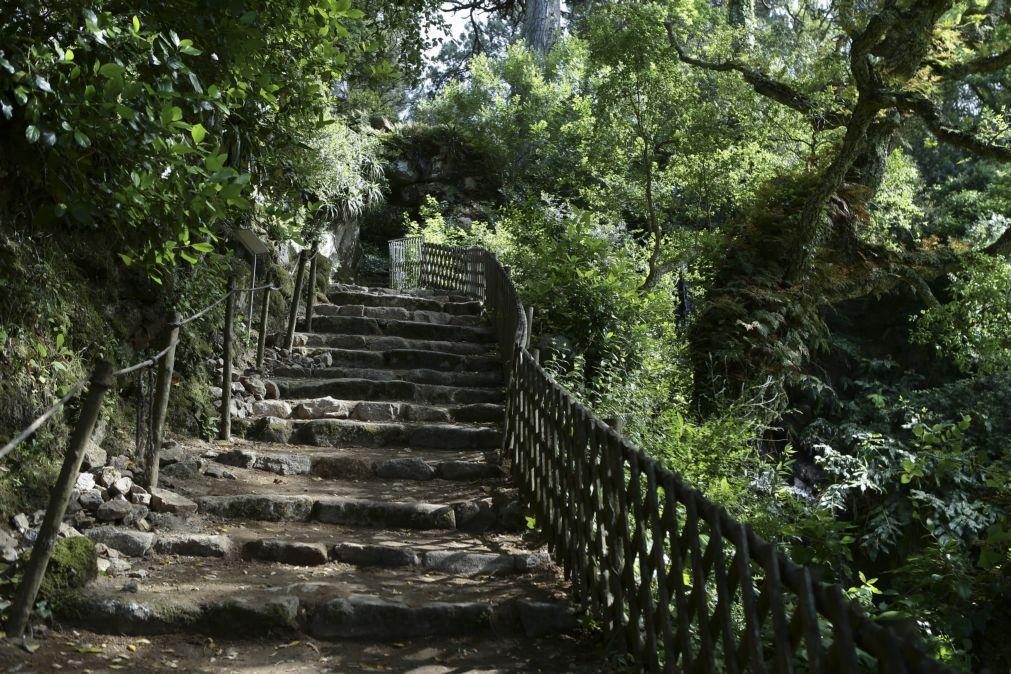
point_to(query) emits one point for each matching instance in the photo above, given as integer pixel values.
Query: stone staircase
(363, 499)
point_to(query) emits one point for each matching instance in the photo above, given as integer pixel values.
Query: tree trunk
(542, 22)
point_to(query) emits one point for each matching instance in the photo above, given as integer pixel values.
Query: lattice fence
(668, 574)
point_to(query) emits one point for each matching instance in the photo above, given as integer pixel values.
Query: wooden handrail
(101, 380)
(666, 572)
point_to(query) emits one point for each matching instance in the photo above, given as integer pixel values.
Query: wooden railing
(668, 574)
(101, 380)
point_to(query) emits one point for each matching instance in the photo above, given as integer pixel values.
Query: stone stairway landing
(362, 499)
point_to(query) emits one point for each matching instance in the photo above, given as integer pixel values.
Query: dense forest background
(772, 237)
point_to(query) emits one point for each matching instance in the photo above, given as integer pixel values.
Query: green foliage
(920, 480)
(897, 206)
(348, 179)
(435, 228)
(974, 328)
(184, 112)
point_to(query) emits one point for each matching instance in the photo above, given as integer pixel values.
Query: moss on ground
(74, 565)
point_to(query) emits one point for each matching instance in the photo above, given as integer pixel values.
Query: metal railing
(101, 380)
(668, 574)
(416, 263)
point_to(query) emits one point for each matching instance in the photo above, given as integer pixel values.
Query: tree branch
(977, 66)
(765, 85)
(923, 108)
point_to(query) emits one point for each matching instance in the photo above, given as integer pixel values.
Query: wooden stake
(162, 392)
(293, 311)
(225, 430)
(310, 295)
(261, 339)
(42, 551)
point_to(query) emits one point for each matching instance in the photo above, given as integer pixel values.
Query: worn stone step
(348, 325)
(476, 515)
(255, 599)
(393, 503)
(369, 410)
(366, 463)
(405, 359)
(395, 391)
(417, 376)
(353, 433)
(397, 313)
(384, 343)
(296, 482)
(467, 307)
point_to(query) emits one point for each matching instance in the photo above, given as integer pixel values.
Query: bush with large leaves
(151, 131)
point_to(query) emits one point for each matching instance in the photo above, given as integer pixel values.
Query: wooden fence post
(225, 429)
(310, 295)
(162, 392)
(530, 327)
(42, 551)
(289, 340)
(261, 338)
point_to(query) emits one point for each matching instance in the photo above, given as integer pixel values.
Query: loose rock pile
(247, 389)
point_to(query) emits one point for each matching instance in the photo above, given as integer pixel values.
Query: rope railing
(100, 382)
(43, 418)
(669, 575)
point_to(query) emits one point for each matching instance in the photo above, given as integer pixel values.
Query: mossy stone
(74, 564)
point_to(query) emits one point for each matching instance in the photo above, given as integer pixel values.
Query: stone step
(417, 376)
(254, 599)
(394, 391)
(382, 343)
(353, 433)
(473, 516)
(332, 408)
(318, 545)
(348, 325)
(404, 359)
(466, 307)
(365, 463)
(388, 503)
(397, 313)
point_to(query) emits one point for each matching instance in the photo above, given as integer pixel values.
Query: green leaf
(198, 132)
(43, 84)
(215, 162)
(111, 70)
(189, 258)
(82, 139)
(32, 133)
(136, 24)
(170, 113)
(68, 55)
(203, 247)
(127, 260)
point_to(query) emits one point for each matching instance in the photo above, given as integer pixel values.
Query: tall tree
(542, 20)
(806, 247)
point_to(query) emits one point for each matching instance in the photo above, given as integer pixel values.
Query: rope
(150, 362)
(35, 425)
(202, 312)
